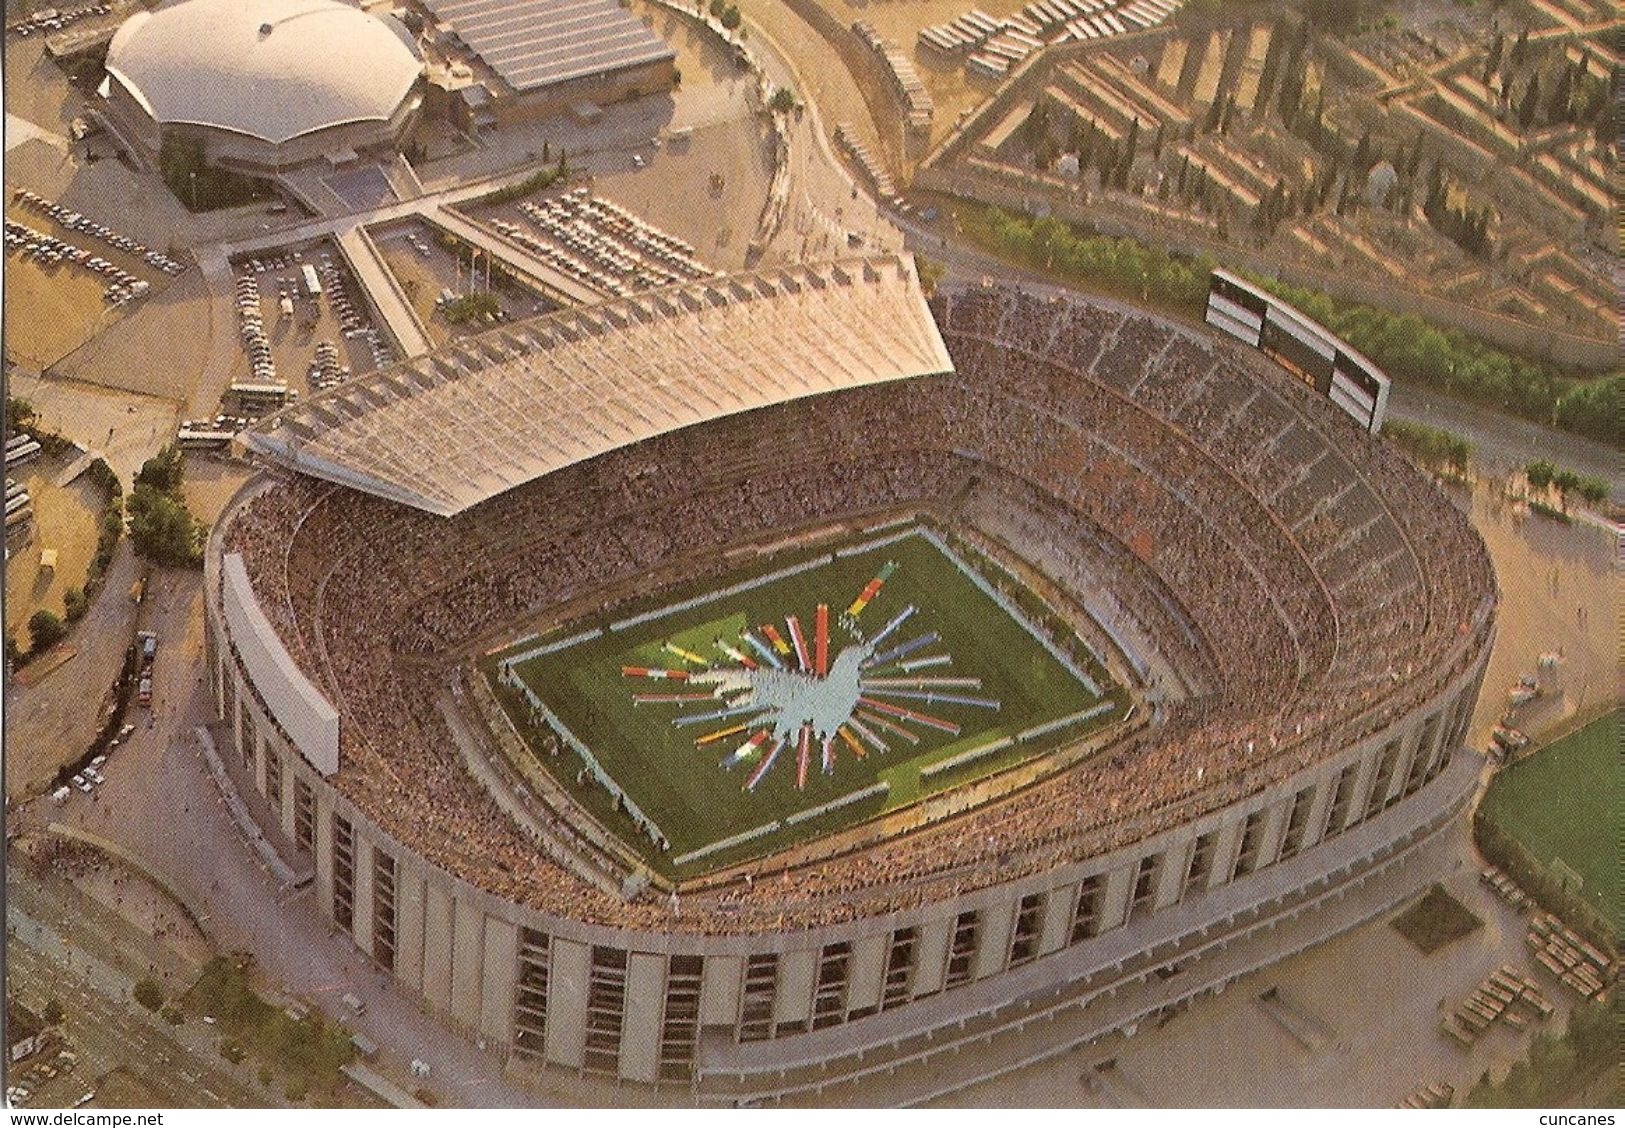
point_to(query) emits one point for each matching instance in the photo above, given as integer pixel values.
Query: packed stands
(1317, 586)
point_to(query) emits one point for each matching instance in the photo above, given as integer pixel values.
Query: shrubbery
(148, 994)
(537, 181)
(1402, 344)
(1433, 447)
(1555, 1065)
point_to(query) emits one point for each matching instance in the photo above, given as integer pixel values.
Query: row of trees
(726, 14)
(1402, 344)
(1468, 227)
(162, 528)
(1123, 266)
(1408, 348)
(183, 164)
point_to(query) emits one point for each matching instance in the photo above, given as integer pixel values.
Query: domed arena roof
(270, 69)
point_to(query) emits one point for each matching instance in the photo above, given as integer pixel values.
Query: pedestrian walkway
(384, 290)
(554, 283)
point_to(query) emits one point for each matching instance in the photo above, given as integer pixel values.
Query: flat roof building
(535, 57)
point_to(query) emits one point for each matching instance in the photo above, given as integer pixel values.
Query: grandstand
(1305, 618)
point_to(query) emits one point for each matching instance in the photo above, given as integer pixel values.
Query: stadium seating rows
(1315, 583)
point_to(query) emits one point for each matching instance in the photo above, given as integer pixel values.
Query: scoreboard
(1300, 345)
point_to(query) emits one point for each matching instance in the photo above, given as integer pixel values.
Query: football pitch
(1563, 804)
(734, 718)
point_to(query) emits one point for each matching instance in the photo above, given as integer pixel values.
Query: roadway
(381, 287)
(47, 957)
(241, 904)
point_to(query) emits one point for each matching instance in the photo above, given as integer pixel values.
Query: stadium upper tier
(1310, 586)
(272, 70)
(447, 431)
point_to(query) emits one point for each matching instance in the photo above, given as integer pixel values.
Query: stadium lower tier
(1326, 612)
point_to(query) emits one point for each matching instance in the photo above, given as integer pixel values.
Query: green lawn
(685, 790)
(1564, 803)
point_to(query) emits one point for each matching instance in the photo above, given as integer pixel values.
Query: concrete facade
(458, 946)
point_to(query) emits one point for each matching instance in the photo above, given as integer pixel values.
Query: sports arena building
(1301, 619)
(265, 84)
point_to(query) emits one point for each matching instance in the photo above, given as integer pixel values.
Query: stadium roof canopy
(534, 43)
(448, 430)
(270, 69)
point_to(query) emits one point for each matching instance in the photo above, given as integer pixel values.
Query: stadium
(265, 85)
(774, 686)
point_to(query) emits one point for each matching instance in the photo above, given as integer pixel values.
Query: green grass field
(685, 790)
(1564, 803)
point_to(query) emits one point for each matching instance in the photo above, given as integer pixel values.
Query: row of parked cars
(90, 777)
(257, 344)
(48, 250)
(326, 370)
(53, 19)
(350, 320)
(614, 239)
(45, 1067)
(83, 224)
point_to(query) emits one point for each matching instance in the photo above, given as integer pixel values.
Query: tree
(148, 994)
(163, 472)
(1567, 482)
(19, 415)
(45, 630)
(731, 19)
(163, 529)
(1530, 103)
(1493, 59)
(718, 7)
(52, 1014)
(1594, 491)
(783, 100)
(75, 604)
(1540, 473)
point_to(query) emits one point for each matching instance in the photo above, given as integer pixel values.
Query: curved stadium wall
(1288, 788)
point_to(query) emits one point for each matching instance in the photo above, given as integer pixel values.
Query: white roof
(271, 69)
(449, 430)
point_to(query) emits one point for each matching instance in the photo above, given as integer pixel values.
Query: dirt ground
(51, 310)
(64, 519)
(1558, 593)
(172, 324)
(210, 483)
(124, 428)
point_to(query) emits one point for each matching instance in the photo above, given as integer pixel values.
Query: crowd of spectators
(1315, 584)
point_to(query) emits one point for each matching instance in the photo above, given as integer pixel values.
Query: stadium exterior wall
(658, 1006)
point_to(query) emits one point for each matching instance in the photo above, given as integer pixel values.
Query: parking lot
(68, 276)
(293, 334)
(428, 270)
(597, 242)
